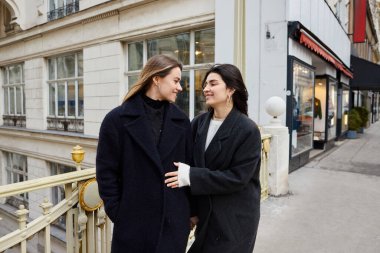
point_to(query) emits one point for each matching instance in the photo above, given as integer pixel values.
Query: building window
(17, 171)
(58, 192)
(195, 49)
(302, 108)
(345, 108)
(14, 96)
(332, 109)
(66, 93)
(60, 8)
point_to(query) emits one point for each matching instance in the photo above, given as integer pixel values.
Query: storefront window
(194, 49)
(302, 108)
(332, 109)
(345, 108)
(320, 109)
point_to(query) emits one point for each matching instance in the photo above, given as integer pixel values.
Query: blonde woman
(138, 142)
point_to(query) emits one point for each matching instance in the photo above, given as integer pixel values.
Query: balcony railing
(14, 120)
(63, 11)
(88, 229)
(65, 124)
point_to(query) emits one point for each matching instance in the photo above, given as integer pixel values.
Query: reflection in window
(17, 171)
(196, 59)
(204, 46)
(302, 108)
(183, 97)
(58, 192)
(200, 101)
(177, 46)
(135, 56)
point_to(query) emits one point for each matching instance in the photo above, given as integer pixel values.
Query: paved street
(333, 205)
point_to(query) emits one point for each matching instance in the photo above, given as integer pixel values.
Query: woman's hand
(193, 222)
(172, 178)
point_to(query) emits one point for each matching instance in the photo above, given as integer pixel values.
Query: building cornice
(204, 20)
(96, 13)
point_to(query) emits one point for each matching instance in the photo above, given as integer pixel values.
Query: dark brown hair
(158, 65)
(232, 77)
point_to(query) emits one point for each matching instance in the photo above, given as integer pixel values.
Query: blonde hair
(158, 65)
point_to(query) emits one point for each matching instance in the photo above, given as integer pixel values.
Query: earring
(228, 100)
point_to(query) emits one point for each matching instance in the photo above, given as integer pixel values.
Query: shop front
(300, 116)
(318, 98)
(325, 112)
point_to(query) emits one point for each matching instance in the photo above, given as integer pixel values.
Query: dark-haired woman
(138, 142)
(225, 175)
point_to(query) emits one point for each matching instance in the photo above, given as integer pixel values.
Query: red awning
(314, 46)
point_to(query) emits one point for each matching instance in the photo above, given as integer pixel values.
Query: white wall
(35, 94)
(316, 16)
(253, 53)
(273, 55)
(224, 31)
(103, 78)
(85, 4)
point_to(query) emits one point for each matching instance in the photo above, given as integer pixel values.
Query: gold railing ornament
(266, 147)
(89, 198)
(77, 155)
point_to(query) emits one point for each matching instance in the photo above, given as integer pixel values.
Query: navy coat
(148, 217)
(225, 181)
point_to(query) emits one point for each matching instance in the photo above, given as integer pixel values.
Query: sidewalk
(333, 205)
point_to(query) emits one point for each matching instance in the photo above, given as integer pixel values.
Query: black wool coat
(226, 186)
(148, 217)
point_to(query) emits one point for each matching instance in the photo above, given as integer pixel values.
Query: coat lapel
(137, 124)
(200, 142)
(172, 131)
(223, 132)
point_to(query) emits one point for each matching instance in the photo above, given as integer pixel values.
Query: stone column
(278, 163)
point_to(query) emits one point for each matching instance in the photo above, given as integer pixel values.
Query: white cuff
(183, 175)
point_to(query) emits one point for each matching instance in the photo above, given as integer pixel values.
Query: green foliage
(364, 115)
(354, 120)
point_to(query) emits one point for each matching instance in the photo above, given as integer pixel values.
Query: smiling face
(216, 91)
(169, 86)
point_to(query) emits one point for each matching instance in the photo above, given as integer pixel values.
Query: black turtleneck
(155, 111)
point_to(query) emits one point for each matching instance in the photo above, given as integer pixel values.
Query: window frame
(7, 87)
(58, 169)
(11, 174)
(191, 67)
(76, 79)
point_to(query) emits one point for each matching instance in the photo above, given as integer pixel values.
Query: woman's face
(169, 86)
(215, 90)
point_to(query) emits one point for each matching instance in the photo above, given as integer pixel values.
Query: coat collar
(215, 146)
(138, 124)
